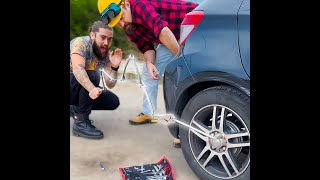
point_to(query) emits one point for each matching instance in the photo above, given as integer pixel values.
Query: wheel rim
(227, 154)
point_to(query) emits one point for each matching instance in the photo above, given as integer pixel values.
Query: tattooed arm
(78, 64)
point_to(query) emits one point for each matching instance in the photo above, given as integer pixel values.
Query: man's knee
(116, 103)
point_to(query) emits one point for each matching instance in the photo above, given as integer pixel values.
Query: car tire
(236, 107)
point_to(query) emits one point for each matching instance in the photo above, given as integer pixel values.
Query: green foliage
(83, 13)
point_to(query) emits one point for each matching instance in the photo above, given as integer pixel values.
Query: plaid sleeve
(142, 45)
(78, 47)
(148, 15)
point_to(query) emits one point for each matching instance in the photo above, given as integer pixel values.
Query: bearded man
(87, 55)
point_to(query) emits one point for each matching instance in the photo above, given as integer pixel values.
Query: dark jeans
(79, 96)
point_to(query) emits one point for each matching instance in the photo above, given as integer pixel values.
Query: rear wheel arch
(194, 89)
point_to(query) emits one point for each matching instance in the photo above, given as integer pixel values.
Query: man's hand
(95, 92)
(115, 58)
(152, 68)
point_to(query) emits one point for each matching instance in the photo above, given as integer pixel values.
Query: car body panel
(244, 34)
(219, 30)
(211, 53)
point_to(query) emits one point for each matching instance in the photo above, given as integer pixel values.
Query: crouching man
(87, 55)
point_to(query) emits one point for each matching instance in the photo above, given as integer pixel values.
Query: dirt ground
(124, 144)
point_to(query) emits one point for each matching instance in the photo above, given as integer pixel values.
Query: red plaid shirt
(150, 16)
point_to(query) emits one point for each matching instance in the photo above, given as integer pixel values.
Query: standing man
(87, 55)
(146, 23)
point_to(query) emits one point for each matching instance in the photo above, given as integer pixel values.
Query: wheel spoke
(212, 154)
(236, 145)
(224, 164)
(199, 135)
(232, 162)
(201, 126)
(205, 149)
(236, 135)
(214, 118)
(222, 119)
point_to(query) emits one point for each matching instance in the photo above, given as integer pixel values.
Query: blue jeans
(163, 57)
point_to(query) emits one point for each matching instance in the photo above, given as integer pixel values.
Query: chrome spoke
(231, 161)
(236, 145)
(214, 118)
(201, 127)
(205, 149)
(212, 154)
(236, 135)
(222, 119)
(224, 164)
(199, 135)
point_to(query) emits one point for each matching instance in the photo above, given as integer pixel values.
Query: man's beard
(129, 28)
(97, 52)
